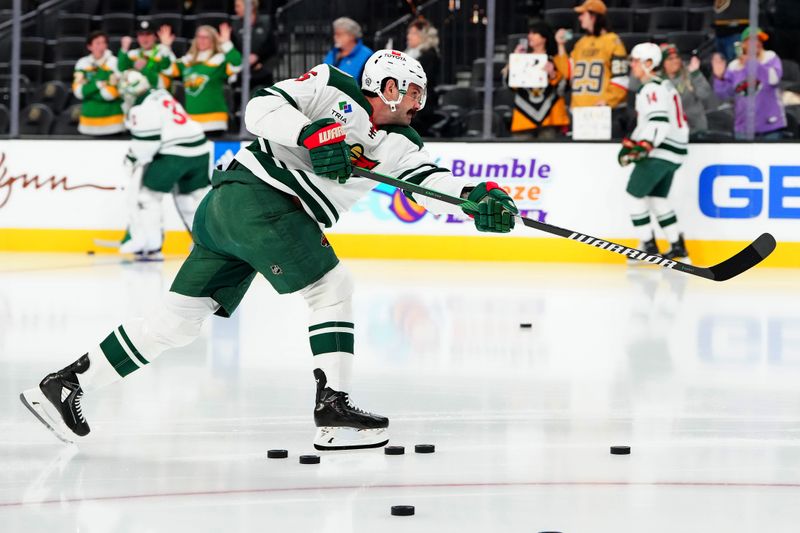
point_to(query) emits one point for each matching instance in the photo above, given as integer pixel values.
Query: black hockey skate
(650, 247)
(678, 251)
(343, 426)
(57, 402)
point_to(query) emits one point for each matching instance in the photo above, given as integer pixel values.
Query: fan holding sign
(539, 82)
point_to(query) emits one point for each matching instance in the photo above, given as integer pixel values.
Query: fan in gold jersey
(598, 64)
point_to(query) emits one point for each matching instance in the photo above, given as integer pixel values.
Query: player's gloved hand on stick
(492, 209)
(330, 155)
(633, 151)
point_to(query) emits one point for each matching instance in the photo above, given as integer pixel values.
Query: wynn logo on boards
(24, 181)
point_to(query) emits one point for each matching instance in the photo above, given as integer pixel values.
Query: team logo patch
(344, 106)
(195, 83)
(276, 270)
(358, 159)
(324, 242)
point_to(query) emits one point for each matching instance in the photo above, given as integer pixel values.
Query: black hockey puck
(526, 325)
(90, 252)
(309, 459)
(394, 450)
(277, 454)
(402, 510)
(620, 450)
(424, 448)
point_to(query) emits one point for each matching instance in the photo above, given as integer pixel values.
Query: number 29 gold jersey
(599, 70)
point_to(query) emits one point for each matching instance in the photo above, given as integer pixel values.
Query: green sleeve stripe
(406, 131)
(132, 348)
(331, 325)
(319, 193)
(285, 177)
(186, 143)
(417, 179)
(285, 96)
(658, 119)
(674, 149)
(407, 172)
(147, 137)
(347, 84)
(676, 143)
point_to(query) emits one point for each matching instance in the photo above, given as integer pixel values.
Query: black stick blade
(756, 252)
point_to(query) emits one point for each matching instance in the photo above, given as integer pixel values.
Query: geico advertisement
(725, 192)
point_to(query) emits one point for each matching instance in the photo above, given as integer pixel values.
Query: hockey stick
(746, 259)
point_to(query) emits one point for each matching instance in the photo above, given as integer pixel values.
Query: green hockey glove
(492, 209)
(633, 151)
(330, 155)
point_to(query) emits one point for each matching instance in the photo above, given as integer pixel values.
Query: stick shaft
(744, 260)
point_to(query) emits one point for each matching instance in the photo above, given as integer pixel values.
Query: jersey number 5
(178, 115)
(307, 75)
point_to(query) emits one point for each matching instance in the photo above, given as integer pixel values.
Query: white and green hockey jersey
(660, 121)
(159, 125)
(278, 114)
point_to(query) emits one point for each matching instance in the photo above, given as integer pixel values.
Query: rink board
(65, 195)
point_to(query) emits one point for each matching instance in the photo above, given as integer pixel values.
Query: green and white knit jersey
(159, 125)
(158, 69)
(279, 113)
(661, 122)
(94, 83)
(204, 78)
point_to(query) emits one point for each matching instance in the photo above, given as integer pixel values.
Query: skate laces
(77, 404)
(352, 406)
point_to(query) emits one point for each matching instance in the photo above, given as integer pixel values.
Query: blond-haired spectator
(205, 69)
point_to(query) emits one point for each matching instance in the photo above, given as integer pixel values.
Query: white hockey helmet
(645, 51)
(133, 83)
(398, 66)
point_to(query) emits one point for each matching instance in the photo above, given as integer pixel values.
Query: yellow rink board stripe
(476, 248)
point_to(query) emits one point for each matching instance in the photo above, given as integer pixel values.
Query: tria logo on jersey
(344, 106)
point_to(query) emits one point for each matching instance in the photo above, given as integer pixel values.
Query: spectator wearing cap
(153, 60)
(598, 63)
(422, 42)
(263, 45)
(542, 112)
(94, 83)
(349, 54)
(696, 93)
(730, 81)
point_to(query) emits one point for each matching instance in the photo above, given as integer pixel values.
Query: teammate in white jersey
(169, 153)
(657, 147)
(265, 214)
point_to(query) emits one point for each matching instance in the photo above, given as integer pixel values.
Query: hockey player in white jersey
(169, 153)
(265, 216)
(657, 147)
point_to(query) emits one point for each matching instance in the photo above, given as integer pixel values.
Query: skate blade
(345, 438)
(149, 258)
(36, 403)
